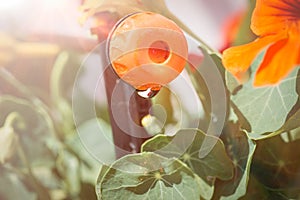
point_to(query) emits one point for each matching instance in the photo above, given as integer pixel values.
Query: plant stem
(42, 192)
(126, 143)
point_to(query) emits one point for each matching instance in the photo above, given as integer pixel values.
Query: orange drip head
(147, 50)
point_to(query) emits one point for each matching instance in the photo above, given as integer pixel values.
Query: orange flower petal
(271, 16)
(280, 59)
(298, 61)
(238, 59)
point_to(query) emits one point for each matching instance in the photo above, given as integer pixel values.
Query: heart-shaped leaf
(186, 145)
(276, 165)
(147, 176)
(241, 189)
(265, 108)
(241, 150)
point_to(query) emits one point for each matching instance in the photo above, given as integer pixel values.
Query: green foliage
(186, 145)
(241, 150)
(41, 156)
(148, 176)
(31, 128)
(12, 187)
(236, 167)
(276, 166)
(274, 104)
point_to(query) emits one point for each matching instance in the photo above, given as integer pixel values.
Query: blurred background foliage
(41, 154)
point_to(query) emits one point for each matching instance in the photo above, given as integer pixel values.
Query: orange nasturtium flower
(277, 24)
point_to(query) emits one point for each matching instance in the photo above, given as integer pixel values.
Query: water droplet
(152, 124)
(147, 93)
(210, 178)
(133, 147)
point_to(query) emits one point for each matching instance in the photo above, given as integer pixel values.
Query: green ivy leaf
(265, 108)
(147, 176)
(185, 145)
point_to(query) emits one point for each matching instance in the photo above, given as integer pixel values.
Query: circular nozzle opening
(159, 51)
